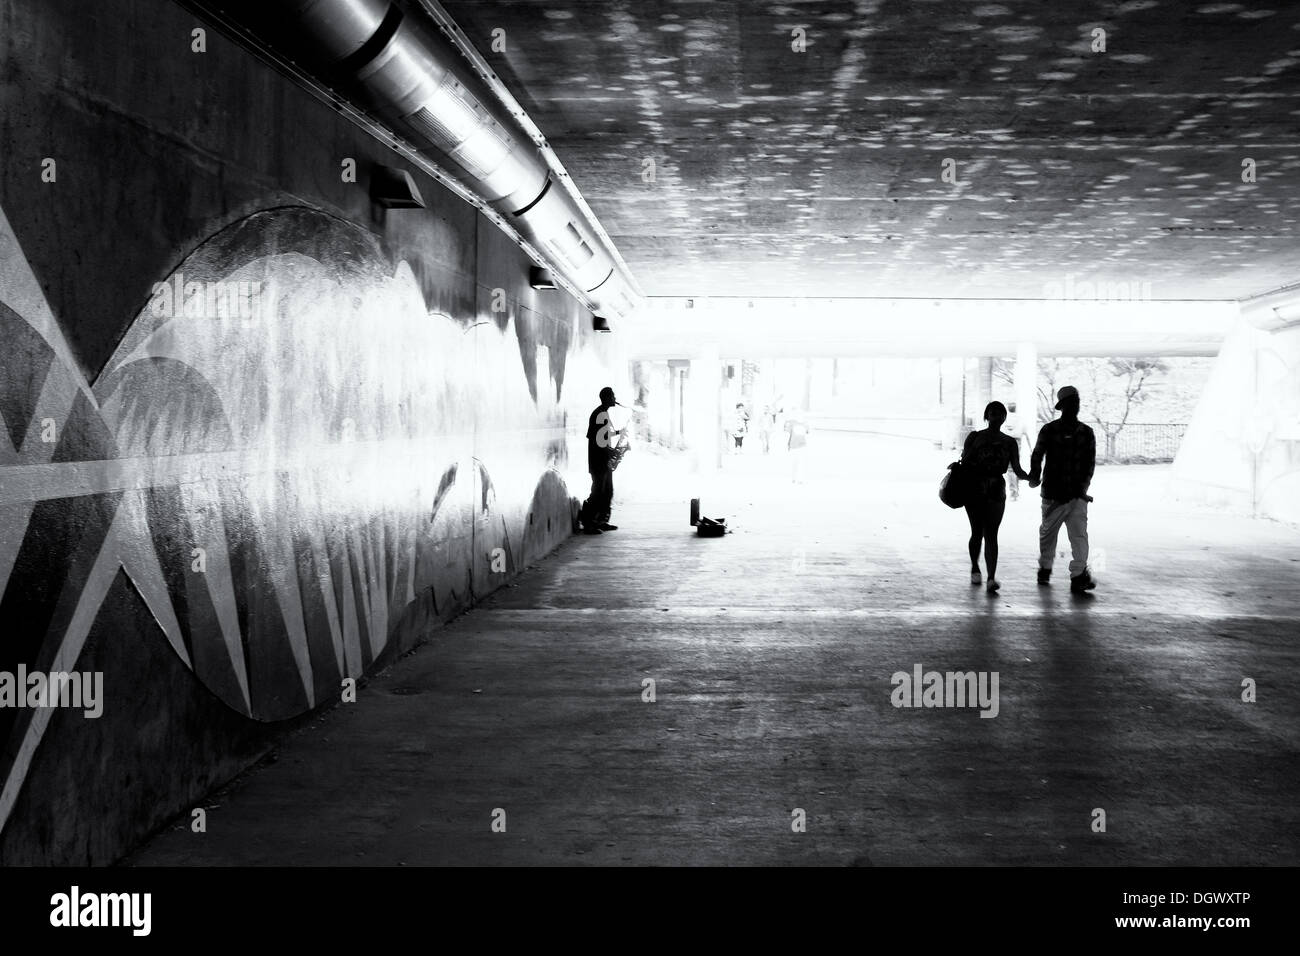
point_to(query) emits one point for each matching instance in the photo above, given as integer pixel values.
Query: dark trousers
(985, 515)
(595, 510)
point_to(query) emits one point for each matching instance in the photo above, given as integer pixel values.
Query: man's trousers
(595, 510)
(1074, 515)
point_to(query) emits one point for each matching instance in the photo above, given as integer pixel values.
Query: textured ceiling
(820, 173)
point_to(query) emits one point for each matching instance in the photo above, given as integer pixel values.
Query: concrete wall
(228, 506)
(1242, 448)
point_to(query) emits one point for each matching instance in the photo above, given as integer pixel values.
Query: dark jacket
(1071, 452)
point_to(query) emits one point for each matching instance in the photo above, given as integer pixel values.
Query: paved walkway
(772, 651)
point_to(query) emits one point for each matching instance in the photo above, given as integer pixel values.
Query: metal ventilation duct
(405, 71)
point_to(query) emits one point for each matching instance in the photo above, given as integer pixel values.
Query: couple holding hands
(1069, 450)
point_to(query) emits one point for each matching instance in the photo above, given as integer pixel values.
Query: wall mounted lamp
(394, 188)
(540, 278)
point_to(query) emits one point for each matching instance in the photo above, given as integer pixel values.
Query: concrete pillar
(821, 385)
(979, 390)
(1026, 387)
(985, 388)
(703, 424)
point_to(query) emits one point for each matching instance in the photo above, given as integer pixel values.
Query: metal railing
(1140, 442)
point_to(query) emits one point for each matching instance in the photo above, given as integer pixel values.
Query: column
(984, 384)
(703, 424)
(1026, 387)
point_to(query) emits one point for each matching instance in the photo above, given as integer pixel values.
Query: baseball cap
(1067, 391)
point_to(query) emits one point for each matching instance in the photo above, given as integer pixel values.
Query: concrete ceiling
(819, 173)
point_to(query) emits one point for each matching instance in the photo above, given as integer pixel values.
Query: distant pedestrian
(986, 456)
(796, 444)
(766, 421)
(740, 425)
(1070, 448)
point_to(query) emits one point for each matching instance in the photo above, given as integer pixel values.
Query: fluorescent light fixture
(484, 150)
(455, 114)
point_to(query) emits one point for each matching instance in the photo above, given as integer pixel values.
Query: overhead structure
(400, 65)
(1276, 311)
(815, 327)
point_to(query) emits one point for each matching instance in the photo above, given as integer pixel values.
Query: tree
(1113, 388)
(1118, 386)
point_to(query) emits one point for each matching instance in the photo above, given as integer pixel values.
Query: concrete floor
(772, 651)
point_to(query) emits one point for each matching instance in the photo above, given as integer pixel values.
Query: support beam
(827, 328)
(1026, 385)
(703, 424)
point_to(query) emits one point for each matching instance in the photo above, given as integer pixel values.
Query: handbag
(952, 488)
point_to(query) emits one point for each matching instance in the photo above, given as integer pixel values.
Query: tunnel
(320, 540)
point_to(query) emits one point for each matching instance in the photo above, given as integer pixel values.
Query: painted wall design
(1242, 448)
(228, 511)
(283, 480)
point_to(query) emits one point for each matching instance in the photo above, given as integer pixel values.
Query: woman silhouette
(988, 454)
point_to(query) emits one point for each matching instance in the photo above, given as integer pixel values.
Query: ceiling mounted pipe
(341, 29)
(409, 74)
(1276, 311)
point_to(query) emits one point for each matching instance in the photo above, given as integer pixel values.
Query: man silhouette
(601, 438)
(1071, 451)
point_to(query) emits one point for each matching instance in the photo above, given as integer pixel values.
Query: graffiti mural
(285, 454)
